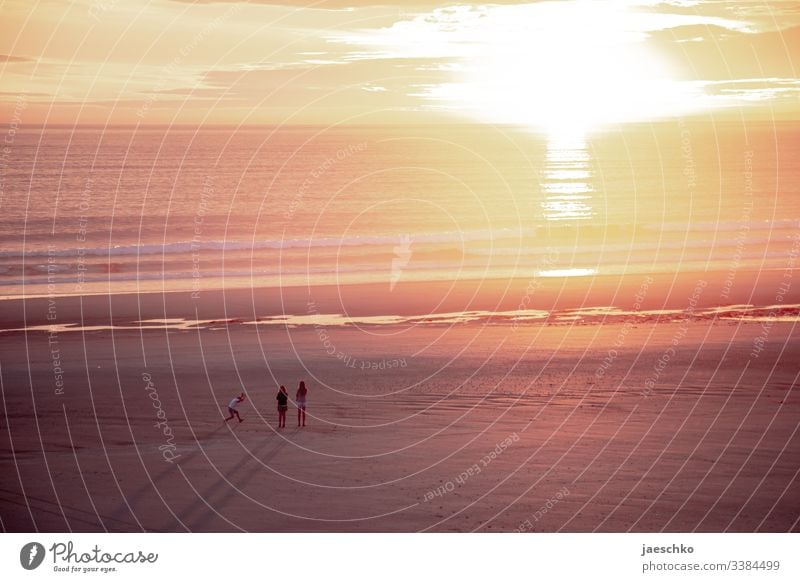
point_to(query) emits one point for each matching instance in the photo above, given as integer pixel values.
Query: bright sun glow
(565, 68)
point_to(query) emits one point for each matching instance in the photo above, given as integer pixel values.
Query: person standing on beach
(283, 406)
(300, 399)
(232, 407)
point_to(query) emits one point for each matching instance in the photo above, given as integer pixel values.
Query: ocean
(119, 209)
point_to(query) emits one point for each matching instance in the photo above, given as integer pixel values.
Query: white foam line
(784, 313)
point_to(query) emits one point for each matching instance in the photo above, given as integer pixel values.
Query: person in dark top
(283, 406)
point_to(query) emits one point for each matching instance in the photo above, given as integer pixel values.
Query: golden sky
(573, 64)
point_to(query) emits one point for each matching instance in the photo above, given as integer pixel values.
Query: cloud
(354, 4)
(755, 89)
(466, 31)
(14, 59)
(719, 55)
(760, 15)
(331, 83)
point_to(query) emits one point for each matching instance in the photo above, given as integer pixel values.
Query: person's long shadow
(151, 486)
(233, 480)
(74, 514)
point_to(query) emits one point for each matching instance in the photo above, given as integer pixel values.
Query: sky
(555, 65)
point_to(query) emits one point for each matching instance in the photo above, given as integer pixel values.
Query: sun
(564, 68)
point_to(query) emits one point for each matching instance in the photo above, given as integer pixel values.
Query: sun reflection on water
(567, 179)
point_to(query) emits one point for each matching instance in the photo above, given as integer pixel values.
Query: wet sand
(661, 291)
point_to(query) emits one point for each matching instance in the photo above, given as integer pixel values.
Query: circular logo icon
(31, 555)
